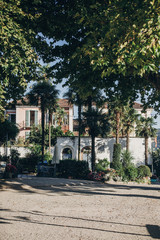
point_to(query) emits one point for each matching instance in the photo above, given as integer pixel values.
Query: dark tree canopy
(102, 44)
(8, 130)
(18, 58)
(106, 44)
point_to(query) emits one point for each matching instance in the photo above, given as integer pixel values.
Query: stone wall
(103, 147)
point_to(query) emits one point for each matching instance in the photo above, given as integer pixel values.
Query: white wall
(103, 147)
(22, 150)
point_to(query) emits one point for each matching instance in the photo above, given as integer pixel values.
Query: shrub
(28, 163)
(73, 169)
(144, 171)
(126, 159)
(102, 165)
(14, 156)
(4, 158)
(130, 173)
(116, 164)
(156, 161)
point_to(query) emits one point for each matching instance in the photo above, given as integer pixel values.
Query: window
(66, 153)
(65, 120)
(12, 118)
(31, 118)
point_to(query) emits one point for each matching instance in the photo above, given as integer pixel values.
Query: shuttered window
(31, 118)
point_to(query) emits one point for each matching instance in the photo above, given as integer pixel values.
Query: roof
(63, 103)
(137, 105)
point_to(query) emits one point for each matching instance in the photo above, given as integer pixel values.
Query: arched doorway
(86, 155)
(67, 153)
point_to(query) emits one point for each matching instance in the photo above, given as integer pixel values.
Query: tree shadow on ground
(153, 230)
(87, 189)
(15, 185)
(24, 219)
(140, 187)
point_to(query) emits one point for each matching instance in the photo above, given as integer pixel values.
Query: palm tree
(74, 98)
(145, 129)
(129, 119)
(98, 125)
(115, 113)
(44, 94)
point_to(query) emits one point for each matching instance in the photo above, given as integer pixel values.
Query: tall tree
(18, 58)
(98, 125)
(145, 129)
(45, 95)
(129, 120)
(115, 114)
(74, 98)
(117, 40)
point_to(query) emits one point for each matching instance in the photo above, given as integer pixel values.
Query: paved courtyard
(34, 208)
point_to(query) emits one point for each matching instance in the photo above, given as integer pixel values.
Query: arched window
(66, 153)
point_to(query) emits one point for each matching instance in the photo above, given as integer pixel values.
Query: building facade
(25, 116)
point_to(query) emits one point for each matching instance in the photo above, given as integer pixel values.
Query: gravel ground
(47, 209)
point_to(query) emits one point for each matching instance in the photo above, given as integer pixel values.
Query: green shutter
(27, 123)
(36, 118)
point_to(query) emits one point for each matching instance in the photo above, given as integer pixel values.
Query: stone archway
(67, 153)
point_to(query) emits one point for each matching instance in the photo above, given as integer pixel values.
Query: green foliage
(116, 163)
(28, 163)
(44, 94)
(14, 156)
(126, 159)
(145, 127)
(36, 152)
(97, 122)
(130, 173)
(35, 149)
(144, 171)
(47, 157)
(69, 134)
(118, 41)
(74, 169)
(18, 59)
(102, 165)
(156, 161)
(9, 131)
(4, 158)
(36, 135)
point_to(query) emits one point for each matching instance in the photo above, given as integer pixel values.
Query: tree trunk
(79, 131)
(146, 150)
(127, 141)
(117, 127)
(42, 122)
(93, 153)
(50, 121)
